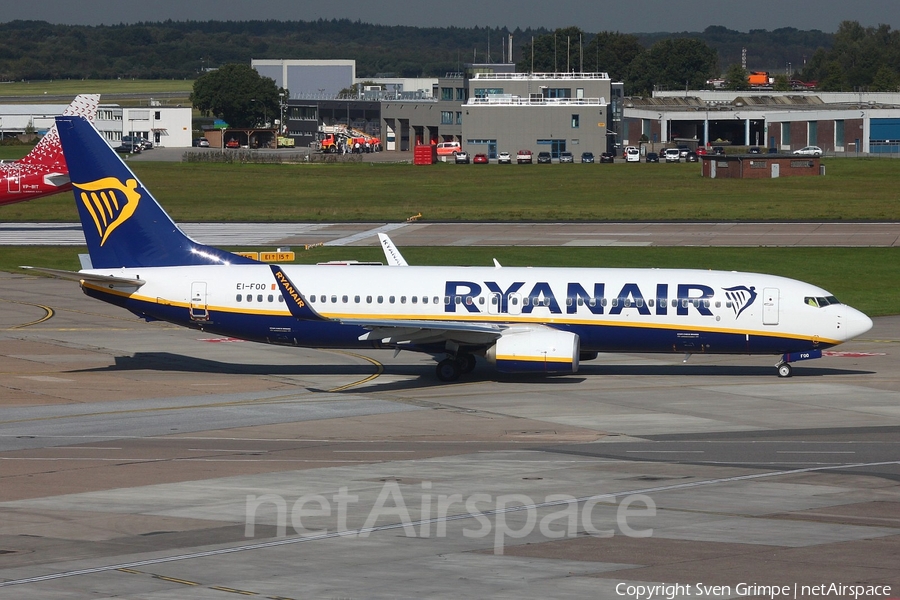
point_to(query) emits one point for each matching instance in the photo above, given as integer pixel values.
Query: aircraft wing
(88, 277)
(424, 332)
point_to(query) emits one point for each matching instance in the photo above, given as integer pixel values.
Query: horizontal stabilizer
(88, 277)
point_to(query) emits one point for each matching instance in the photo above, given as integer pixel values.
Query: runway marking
(393, 526)
(48, 313)
(378, 366)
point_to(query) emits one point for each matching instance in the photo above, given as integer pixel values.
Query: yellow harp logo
(109, 202)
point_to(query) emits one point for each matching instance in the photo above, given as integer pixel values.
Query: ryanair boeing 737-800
(519, 319)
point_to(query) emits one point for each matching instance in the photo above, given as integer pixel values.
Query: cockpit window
(819, 302)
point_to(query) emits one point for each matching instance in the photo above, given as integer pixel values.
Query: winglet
(391, 253)
(294, 299)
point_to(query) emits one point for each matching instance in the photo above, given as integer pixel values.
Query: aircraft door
(494, 304)
(514, 304)
(770, 306)
(198, 308)
(14, 180)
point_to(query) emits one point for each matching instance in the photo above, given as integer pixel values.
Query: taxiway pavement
(146, 461)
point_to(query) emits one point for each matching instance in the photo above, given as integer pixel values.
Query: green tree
(237, 94)
(680, 63)
(782, 84)
(612, 52)
(553, 52)
(885, 80)
(736, 78)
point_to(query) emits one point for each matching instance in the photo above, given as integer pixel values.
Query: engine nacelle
(535, 349)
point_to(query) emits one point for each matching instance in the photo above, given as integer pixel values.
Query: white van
(632, 154)
(448, 148)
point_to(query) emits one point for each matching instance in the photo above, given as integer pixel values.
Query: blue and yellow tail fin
(123, 224)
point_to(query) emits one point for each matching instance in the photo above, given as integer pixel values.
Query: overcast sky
(589, 15)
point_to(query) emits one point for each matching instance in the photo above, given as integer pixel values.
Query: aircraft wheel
(466, 363)
(784, 370)
(448, 370)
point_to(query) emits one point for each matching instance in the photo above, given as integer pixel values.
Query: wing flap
(394, 332)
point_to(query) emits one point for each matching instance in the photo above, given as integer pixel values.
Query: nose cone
(853, 323)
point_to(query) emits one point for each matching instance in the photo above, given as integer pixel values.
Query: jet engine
(535, 348)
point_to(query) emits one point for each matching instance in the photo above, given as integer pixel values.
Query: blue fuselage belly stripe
(286, 329)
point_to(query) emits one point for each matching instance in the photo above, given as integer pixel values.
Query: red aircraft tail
(48, 152)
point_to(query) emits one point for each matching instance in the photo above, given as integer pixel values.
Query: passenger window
(402, 299)
(481, 300)
(424, 299)
(603, 302)
(344, 299)
(392, 299)
(459, 299)
(380, 299)
(334, 299)
(525, 301)
(271, 298)
(614, 302)
(259, 298)
(356, 299)
(675, 303)
(280, 298)
(414, 299)
(469, 300)
(639, 302)
(495, 300)
(368, 299)
(238, 297)
(446, 299)
(581, 302)
(514, 301)
(626, 302)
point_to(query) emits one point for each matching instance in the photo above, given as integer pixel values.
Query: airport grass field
(852, 190)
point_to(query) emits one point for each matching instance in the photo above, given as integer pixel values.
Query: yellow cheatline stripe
(378, 366)
(558, 359)
(489, 318)
(47, 310)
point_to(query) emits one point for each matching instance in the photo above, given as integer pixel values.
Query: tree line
(854, 57)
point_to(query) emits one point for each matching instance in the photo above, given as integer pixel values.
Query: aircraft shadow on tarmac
(423, 373)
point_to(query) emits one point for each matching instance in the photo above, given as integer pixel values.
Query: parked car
(718, 150)
(462, 158)
(480, 159)
(607, 157)
(201, 143)
(625, 151)
(523, 157)
(754, 150)
(134, 139)
(232, 143)
(566, 157)
(652, 157)
(632, 154)
(683, 150)
(129, 148)
(691, 157)
(809, 151)
(504, 158)
(544, 158)
(700, 150)
(587, 157)
(672, 155)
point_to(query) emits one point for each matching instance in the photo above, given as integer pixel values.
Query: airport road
(145, 461)
(415, 233)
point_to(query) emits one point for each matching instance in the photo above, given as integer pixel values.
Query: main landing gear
(452, 367)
